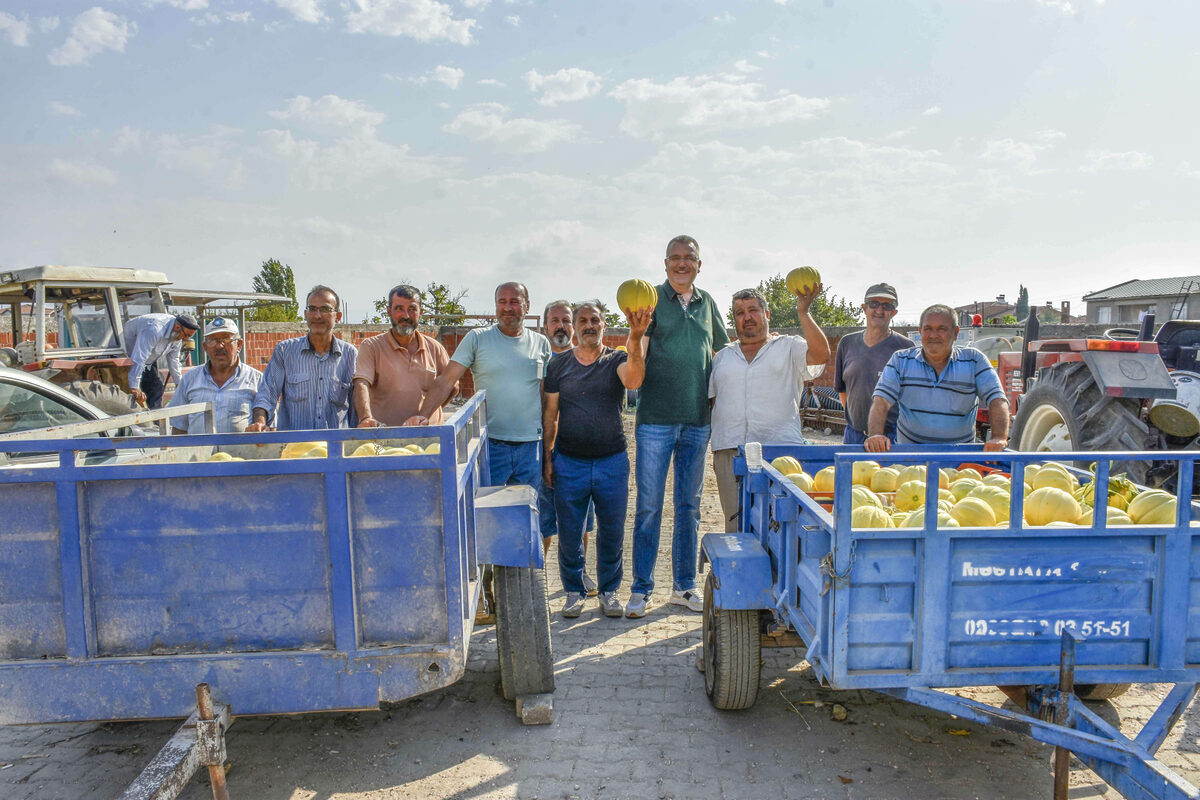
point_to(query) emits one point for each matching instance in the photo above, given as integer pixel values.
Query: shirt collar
(417, 336)
(334, 349)
(674, 295)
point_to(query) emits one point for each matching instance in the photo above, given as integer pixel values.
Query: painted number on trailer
(970, 570)
(1113, 628)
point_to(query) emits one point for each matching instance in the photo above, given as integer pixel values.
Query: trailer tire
(107, 397)
(1101, 691)
(523, 632)
(1066, 395)
(732, 653)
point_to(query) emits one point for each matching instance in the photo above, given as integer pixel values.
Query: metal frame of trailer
(911, 612)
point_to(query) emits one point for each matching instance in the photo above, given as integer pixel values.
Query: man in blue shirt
(149, 338)
(310, 376)
(937, 387)
(224, 381)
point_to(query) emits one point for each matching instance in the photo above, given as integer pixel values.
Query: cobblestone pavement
(631, 721)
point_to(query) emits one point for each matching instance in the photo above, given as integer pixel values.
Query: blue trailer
(1048, 614)
(320, 583)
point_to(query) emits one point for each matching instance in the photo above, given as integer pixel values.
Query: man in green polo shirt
(673, 422)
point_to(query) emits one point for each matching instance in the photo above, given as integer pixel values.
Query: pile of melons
(321, 450)
(894, 497)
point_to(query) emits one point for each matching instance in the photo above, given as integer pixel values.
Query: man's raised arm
(438, 394)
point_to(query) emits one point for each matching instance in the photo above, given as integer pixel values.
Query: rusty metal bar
(1066, 686)
(216, 772)
(198, 742)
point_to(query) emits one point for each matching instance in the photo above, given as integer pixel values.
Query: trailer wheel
(1066, 411)
(1101, 691)
(732, 651)
(523, 632)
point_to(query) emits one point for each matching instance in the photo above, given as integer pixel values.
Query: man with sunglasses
(310, 376)
(860, 360)
(224, 380)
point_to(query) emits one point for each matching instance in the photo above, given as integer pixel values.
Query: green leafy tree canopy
(828, 309)
(275, 278)
(440, 305)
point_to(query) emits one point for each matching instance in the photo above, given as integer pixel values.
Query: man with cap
(224, 381)
(860, 360)
(147, 339)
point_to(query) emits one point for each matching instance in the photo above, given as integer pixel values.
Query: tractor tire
(1101, 691)
(1065, 410)
(732, 654)
(110, 399)
(523, 632)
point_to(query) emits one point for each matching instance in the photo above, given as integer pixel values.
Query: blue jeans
(579, 482)
(515, 462)
(655, 446)
(549, 518)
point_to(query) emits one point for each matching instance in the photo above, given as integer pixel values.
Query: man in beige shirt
(396, 368)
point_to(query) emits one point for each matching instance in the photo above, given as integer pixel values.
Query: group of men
(555, 401)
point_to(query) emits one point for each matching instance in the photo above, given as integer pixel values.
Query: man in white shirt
(756, 383)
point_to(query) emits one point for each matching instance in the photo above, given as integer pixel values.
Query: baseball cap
(187, 321)
(221, 325)
(884, 290)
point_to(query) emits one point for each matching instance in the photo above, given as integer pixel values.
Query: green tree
(440, 305)
(614, 320)
(275, 278)
(1008, 319)
(828, 309)
(1022, 310)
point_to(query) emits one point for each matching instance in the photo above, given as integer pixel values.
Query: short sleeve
(464, 354)
(552, 375)
(889, 380)
(839, 380)
(365, 366)
(987, 382)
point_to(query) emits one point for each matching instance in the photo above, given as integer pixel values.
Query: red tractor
(1129, 390)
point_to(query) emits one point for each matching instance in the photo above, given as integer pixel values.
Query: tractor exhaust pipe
(1028, 358)
(1146, 334)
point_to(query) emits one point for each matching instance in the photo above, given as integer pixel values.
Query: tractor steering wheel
(1122, 334)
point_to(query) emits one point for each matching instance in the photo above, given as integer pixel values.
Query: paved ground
(632, 721)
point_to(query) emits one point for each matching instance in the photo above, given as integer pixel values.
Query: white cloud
(450, 76)
(717, 156)
(239, 16)
(932, 111)
(488, 122)
(423, 20)
(214, 157)
(479, 4)
(81, 173)
(47, 24)
(64, 109)
(490, 82)
(331, 114)
(1022, 154)
(1187, 170)
(186, 5)
(1105, 161)
(92, 32)
(513, 19)
(303, 10)
(1064, 6)
(724, 19)
(565, 86)
(349, 161)
(17, 30)
(706, 102)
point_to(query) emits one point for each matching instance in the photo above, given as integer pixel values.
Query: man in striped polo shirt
(937, 387)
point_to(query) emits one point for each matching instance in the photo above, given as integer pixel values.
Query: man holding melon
(673, 421)
(757, 381)
(937, 387)
(586, 459)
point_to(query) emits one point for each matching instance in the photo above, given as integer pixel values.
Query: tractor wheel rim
(1046, 432)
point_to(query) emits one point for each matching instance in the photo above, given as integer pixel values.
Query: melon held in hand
(636, 294)
(801, 280)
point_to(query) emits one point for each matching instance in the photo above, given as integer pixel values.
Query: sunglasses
(884, 304)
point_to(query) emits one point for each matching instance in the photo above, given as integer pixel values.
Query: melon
(973, 512)
(1050, 504)
(302, 450)
(970, 472)
(636, 294)
(862, 496)
(1154, 507)
(801, 280)
(220, 457)
(996, 479)
(962, 487)
(366, 449)
(996, 497)
(433, 449)
(823, 480)
(885, 479)
(802, 480)
(917, 520)
(869, 516)
(1058, 479)
(1115, 517)
(786, 465)
(911, 473)
(910, 495)
(863, 470)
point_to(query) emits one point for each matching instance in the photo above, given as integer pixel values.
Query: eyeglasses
(221, 342)
(691, 259)
(884, 304)
(326, 310)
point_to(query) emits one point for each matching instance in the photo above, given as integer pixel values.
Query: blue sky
(956, 150)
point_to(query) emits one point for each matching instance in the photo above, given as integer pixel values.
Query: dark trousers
(152, 386)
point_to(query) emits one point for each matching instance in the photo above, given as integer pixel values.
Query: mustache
(590, 331)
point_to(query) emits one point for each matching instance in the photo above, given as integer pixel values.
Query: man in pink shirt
(396, 368)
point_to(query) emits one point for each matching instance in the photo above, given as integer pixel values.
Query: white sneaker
(589, 585)
(610, 605)
(574, 605)
(690, 598)
(636, 607)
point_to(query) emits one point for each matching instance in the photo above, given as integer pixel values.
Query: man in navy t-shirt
(584, 443)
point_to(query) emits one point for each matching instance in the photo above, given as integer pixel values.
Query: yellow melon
(366, 449)
(996, 479)
(1052, 477)
(861, 495)
(970, 472)
(802, 280)
(870, 516)
(973, 512)
(913, 472)
(220, 457)
(917, 520)
(995, 497)
(1050, 504)
(863, 470)
(433, 449)
(1115, 517)
(636, 294)
(910, 495)
(802, 479)
(1154, 507)
(786, 465)
(885, 479)
(962, 487)
(823, 480)
(301, 449)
